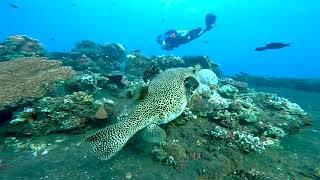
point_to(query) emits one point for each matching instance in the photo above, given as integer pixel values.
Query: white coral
(208, 77)
(218, 102)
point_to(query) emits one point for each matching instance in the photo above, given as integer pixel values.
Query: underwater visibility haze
(161, 89)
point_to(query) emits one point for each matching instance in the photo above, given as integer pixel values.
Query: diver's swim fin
(210, 20)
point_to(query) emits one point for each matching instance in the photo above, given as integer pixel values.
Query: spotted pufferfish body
(165, 101)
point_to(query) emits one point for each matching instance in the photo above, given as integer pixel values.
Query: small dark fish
(276, 45)
(272, 46)
(163, 20)
(74, 5)
(52, 39)
(13, 6)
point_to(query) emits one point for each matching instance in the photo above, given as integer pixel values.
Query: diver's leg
(193, 34)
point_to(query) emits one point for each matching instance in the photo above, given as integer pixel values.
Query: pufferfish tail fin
(107, 142)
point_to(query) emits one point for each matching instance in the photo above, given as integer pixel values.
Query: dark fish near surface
(13, 6)
(273, 46)
(276, 45)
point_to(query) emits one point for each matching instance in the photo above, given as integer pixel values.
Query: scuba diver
(174, 38)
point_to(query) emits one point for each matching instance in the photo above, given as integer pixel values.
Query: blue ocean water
(241, 26)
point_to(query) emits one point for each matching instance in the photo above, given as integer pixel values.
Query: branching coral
(28, 78)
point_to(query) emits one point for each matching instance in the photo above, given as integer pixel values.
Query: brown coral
(101, 113)
(28, 78)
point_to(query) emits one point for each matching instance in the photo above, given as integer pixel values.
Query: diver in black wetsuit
(174, 38)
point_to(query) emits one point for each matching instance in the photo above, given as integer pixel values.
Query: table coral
(28, 78)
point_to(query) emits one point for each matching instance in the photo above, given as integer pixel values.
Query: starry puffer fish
(165, 100)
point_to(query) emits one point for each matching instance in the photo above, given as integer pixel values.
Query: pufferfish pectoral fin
(153, 134)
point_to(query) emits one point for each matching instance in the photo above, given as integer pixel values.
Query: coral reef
(150, 72)
(70, 113)
(228, 91)
(89, 49)
(170, 154)
(312, 85)
(140, 66)
(101, 113)
(169, 61)
(204, 61)
(205, 90)
(56, 114)
(118, 78)
(113, 52)
(86, 81)
(166, 62)
(248, 120)
(104, 59)
(238, 84)
(29, 78)
(88, 55)
(216, 120)
(208, 82)
(208, 77)
(19, 46)
(136, 64)
(253, 108)
(248, 142)
(245, 141)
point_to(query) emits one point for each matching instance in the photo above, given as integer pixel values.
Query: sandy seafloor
(68, 158)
